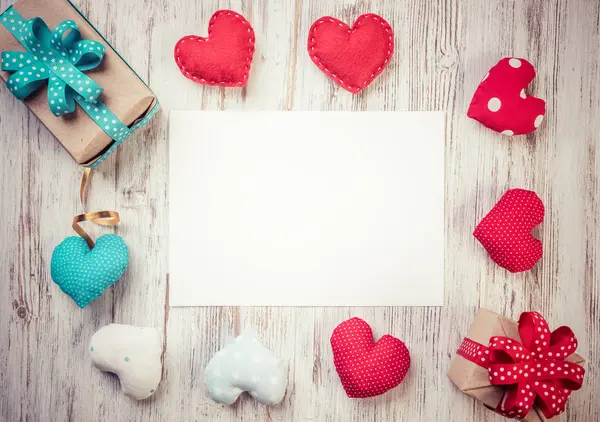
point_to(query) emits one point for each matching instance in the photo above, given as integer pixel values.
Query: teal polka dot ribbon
(59, 59)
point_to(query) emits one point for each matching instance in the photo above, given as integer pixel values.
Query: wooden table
(443, 48)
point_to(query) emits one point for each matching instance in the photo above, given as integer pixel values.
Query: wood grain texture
(443, 48)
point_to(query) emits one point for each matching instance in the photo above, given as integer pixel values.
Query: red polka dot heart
(505, 232)
(500, 102)
(367, 368)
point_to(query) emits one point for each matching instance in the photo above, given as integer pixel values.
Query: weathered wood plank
(443, 48)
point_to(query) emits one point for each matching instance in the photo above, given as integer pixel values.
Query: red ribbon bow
(534, 371)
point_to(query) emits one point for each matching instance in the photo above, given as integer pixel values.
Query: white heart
(240, 367)
(133, 354)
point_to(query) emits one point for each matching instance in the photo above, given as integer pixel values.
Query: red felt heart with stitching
(500, 102)
(505, 232)
(367, 368)
(224, 57)
(352, 57)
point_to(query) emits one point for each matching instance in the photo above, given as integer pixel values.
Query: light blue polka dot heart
(84, 274)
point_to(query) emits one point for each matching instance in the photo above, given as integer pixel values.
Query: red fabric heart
(505, 232)
(500, 102)
(224, 57)
(367, 369)
(352, 57)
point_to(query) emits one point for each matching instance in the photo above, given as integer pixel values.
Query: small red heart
(224, 57)
(367, 369)
(500, 102)
(352, 57)
(505, 232)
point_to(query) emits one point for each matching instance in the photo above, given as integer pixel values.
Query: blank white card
(306, 208)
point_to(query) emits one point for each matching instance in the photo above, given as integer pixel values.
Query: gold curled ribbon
(103, 218)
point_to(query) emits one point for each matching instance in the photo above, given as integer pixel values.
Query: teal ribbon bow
(59, 59)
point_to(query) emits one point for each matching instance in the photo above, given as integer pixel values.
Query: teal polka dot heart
(84, 274)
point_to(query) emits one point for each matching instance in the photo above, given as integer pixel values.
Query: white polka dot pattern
(516, 63)
(58, 59)
(84, 274)
(534, 372)
(505, 232)
(367, 369)
(500, 102)
(475, 352)
(538, 120)
(246, 365)
(494, 104)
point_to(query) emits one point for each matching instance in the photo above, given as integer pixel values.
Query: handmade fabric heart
(351, 57)
(505, 232)
(366, 368)
(246, 365)
(500, 102)
(84, 274)
(133, 354)
(221, 59)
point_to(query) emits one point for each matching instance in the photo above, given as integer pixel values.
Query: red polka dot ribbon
(534, 371)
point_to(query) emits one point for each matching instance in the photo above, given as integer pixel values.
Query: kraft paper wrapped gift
(474, 379)
(109, 99)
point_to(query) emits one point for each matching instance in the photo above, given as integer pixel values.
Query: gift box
(71, 78)
(518, 369)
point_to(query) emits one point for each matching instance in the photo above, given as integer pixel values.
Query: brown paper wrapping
(124, 93)
(473, 380)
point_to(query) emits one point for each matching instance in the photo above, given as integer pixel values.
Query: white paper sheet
(306, 208)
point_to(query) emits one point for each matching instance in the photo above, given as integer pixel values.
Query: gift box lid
(473, 379)
(124, 92)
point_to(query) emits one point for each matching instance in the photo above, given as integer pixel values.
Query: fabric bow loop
(59, 59)
(535, 370)
(56, 58)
